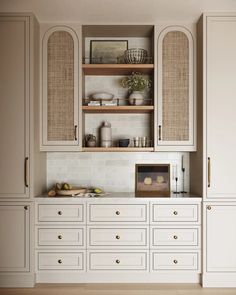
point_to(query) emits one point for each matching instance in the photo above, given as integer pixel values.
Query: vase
(136, 98)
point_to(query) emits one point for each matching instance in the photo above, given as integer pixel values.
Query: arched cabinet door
(60, 68)
(175, 103)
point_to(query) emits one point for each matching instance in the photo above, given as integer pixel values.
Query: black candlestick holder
(176, 186)
(183, 191)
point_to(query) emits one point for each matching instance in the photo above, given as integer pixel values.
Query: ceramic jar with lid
(106, 137)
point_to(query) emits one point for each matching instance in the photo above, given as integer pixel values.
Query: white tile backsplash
(113, 172)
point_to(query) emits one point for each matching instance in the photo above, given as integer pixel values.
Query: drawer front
(175, 237)
(61, 212)
(117, 261)
(174, 213)
(60, 261)
(117, 237)
(175, 261)
(60, 237)
(117, 213)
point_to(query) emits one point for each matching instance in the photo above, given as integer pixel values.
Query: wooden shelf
(116, 69)
(117, 149)
(117, 109)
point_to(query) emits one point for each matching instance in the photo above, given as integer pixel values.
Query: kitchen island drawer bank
(106, 246)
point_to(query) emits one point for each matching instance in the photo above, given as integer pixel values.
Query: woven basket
(135, 56)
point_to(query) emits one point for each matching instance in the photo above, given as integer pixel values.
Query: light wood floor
(118, 289)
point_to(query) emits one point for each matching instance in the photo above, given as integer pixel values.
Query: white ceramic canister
(106, 137)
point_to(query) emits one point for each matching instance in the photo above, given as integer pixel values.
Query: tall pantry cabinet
(23, 168)
(217, 92)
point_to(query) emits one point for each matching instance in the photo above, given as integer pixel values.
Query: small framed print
(107, 51)
(152, 180)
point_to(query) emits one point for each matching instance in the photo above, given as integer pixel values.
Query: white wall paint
(113, 172)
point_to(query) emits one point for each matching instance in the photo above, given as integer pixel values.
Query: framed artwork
(107, 51)
(152, 180)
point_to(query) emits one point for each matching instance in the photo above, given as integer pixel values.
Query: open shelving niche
(127, 121)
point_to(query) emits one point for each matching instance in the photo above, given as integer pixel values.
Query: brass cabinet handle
(209, 171)
(117, 237)
(175, 213)
(209, 207)
(60, 237)
(26, 171)
(117, 261)
(75, 132)
(59, 212)
(117, 212)
(175, 261)
(159, 132)
(26, 207)
(59, 261)
(175, 237)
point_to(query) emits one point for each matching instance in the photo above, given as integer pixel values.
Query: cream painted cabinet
(14, 107)
(60, 90)
(220, 104)
(175, 90)
(14, 233)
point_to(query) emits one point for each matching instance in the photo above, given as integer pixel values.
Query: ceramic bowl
(123, 142)
(103, 96)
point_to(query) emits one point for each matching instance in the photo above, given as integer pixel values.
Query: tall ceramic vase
(136, 98)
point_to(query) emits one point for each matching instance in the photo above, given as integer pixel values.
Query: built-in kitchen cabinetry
(60, 73)
(175, 89)
(118, 239)
(22, 169)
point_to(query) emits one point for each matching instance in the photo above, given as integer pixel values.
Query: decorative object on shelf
(107, 51)
(104, 96)
(136, 84)
(124, 142)
(152, 180)
(65, 189)
(90, 140)
(135, 56)
(183, 171)
(141, 142)
(106, 137)
(175, 177)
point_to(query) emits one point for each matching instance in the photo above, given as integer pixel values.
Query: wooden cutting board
(71, 192)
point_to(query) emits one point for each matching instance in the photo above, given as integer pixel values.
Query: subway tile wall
(113, 172)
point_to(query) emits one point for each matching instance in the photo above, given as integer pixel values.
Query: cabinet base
(117, 277)
(17, 280)
(219, 280)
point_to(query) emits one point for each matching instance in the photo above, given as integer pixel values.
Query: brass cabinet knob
(175, 261)
(59, 261)
(117, 212)
(175, 237)
(117, 261)
(26, 207)
(59, 212)
(60, 237)
(209, 207)
(175, 213)
(117, 237)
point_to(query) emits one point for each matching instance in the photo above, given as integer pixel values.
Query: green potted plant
(136, 84)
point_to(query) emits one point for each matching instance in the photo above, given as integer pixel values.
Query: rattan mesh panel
(175, 83)
(60, 72)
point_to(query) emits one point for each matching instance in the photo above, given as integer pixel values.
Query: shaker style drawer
(117, 213)
(63, 261)
(60, 212)
(117, 237)
(60, 236)
(175, 261)
(174, 213)
(175, 237)
(117, 261)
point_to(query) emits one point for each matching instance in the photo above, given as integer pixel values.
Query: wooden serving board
(72, 192)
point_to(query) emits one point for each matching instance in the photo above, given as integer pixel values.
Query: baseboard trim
(219, 280)
(17, 280)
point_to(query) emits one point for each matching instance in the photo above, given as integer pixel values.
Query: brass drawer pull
(59, 261)
(117, 261)
(26, 171)
(175, 213)
(175, 261)
(117, 212)
(175, 237)
(209, 171)
(117, 237)
(159, 132)
(209, 207)
(75, 132)
(60, 237)
(59, 212)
